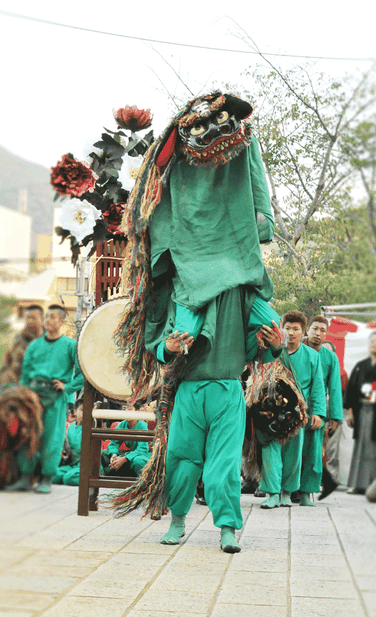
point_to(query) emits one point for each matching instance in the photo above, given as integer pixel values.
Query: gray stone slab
(301, 586)
(325, 607)
(15, 614)
(235, 578)
(247, 610)
(366, 583)
(43, 584)
(369, 598)
(321, 573)
(253, 594)
(174, 601)
(21, 600)
(86, 607)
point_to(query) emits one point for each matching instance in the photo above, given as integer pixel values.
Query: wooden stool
(90, 478)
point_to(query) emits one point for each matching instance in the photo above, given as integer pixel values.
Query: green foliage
(341, 264)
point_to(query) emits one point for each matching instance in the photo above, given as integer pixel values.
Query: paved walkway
(299, 562)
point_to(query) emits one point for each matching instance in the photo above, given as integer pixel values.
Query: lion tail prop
(148, 491)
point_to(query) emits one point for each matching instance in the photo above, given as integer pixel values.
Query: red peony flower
(71, 177)
(133, 118)
(113, 216)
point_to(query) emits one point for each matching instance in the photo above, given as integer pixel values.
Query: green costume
(51, 360)
(208, 421)
(282, 463)
(206, 235)
(70, 474)
(197, 216)
(313, 440)
(332, 382)
(139, 453)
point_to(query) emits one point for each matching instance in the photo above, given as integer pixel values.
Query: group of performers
(200, 307)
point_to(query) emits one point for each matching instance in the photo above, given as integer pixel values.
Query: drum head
(98, 356)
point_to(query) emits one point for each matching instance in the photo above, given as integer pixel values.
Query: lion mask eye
(222, 117)
(198, 129)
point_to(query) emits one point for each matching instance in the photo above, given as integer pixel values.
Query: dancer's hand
(58, 385)
(174, 343)
(315, 422)
(350, 418)
(272, 336)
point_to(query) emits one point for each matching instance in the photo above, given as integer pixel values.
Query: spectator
(332, 383)
(11, 370)
(50, 368)
(131, 462)
(360, 401)
(69, 474)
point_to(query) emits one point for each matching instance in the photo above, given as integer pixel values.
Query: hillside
(17, 174)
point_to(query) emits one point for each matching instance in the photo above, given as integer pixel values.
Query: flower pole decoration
(95, 191)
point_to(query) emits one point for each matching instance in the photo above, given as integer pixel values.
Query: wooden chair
(92, 435)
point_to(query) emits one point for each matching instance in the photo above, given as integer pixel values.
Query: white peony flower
(88, 148)
(130, 170)
(79, 217)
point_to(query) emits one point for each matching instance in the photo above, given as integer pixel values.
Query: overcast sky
(59, 85)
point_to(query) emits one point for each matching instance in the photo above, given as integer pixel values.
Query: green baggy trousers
(205, 437)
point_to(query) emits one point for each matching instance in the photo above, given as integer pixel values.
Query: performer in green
(197, 216)
(70, 474)
(50, 368)
(131, 462)
(281, 463)
(312, 467)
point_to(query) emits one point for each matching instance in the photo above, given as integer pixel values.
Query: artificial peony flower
(71, 177)
(133, 118)
(78, 217)
(113, 216)
(129, 171)
(88, 148)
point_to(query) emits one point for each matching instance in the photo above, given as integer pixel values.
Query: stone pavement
(298, 562)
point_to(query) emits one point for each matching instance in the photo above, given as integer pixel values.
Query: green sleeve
(185, 321)
(335, 391)
(317, 399)
(77, 382)
(261, 314)
(114, 446)
(264, 216)
(139, 456)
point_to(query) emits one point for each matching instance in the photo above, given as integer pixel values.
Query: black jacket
(363, 372)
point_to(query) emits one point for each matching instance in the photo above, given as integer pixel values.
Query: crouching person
(70, 474)
(131, 461)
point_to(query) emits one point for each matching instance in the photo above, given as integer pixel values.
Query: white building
(15, 243)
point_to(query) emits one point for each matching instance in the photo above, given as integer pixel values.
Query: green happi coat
(206, 232)
(313, 440)
(52, 360)
(332, 383)
(210, 281)
(282, 463)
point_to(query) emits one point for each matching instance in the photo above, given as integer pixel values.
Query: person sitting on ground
(11, 369)
(69, 474)
(131, 461)
(51, 369)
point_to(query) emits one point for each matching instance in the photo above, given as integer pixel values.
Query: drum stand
(90, 478)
